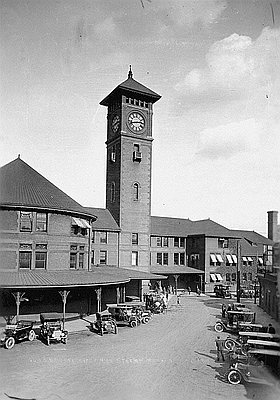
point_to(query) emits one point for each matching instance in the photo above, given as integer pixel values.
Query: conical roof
(22, 186)
(130, 86)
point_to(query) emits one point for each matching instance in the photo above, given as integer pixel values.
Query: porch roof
(132, 273)
(166, 270)
(51, 279)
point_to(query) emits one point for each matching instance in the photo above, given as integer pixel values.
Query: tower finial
(130, 74)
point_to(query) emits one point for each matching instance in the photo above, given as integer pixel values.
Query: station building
(54, 248)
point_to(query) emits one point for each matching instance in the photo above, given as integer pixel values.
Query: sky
(216, 129)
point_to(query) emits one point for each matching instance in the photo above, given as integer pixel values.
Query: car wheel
(146, 320)
(234, 377)
(133, 324)
(229, 344)
(10, 342)
(31, 335)
(219, 327)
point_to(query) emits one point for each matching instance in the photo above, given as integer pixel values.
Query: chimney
(272, 225)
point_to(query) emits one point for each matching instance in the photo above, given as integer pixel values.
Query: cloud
(225, 141)
(235, 65)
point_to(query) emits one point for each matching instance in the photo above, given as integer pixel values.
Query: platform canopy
(166, 270)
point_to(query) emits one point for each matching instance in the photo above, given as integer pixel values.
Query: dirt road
(172, 357)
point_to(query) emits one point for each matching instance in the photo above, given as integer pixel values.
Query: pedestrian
(178, 300)
(224, 310)
(219, 348)
(198, 291)
(189, 289)
(271, 329)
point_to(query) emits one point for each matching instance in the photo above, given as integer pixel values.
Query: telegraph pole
(238, 267)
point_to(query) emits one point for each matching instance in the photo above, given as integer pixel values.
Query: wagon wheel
(31, 335)
(219, 327)
(234, 377)
(10, 342)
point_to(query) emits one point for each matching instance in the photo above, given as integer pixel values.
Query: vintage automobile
(155, 303)
(231, 323)
(142, 313)
(260, 368)
(124, 313)
(104, 323)
(51, 328)
(222, 291)
(13, 333)
(231, 343)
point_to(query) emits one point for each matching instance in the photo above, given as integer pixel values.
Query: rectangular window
(103, 257)
(41, 222)
(134, 260)
(158, 241)
(165, 241)
(41, 259)
(182, 258)
(233, 276)
(134, 238)
(92, 257)
(176, 242)
(25, 259)
(176, 258)
(73, 260)
(93, 237)
(159, 258)
(103, 237)
(165, 258)
(244, 276)
(182, 242)
(81, 260)
(227, 277)
(249, 276)
(25, 221)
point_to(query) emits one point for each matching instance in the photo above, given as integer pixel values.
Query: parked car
(140, 310)
(13, 333)
(231, 323)
(222, 291)
(260, 368)
(124, 313)
(51, 328)
(105, 323)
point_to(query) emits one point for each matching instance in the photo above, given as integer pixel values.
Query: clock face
(116, 123)
(136, 122)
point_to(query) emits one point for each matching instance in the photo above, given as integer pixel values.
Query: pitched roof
(105, 220)
(67, 278)
(128, 87)
(254, 237)
(22, 186)
(166, 226)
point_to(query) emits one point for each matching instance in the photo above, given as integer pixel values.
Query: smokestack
(272, 225)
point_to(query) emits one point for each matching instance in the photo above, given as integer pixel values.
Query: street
(172, 357)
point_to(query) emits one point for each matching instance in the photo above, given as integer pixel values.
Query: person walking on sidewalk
(219, 348)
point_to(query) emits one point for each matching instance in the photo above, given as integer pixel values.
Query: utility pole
(238, 267)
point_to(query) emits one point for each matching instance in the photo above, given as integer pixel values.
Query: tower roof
(23, 187)
(129, 87)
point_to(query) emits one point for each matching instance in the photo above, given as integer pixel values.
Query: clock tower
(129, 164)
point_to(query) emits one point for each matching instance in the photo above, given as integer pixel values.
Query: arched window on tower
(113, 192)
(136, 191)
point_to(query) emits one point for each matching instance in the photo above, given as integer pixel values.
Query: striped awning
(82, 223)
(234, 258)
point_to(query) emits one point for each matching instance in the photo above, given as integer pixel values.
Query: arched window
(136, 191)
(113, 192)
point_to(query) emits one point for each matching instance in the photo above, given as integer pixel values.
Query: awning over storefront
(213, 258)
(260, 260)
(219, 277)
(244, 259)
(234, 258)
(229, 259)
(219, 258)
(82, 223)
(213, 278)
(250, 259)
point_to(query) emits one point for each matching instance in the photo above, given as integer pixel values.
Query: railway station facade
(53, 248)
